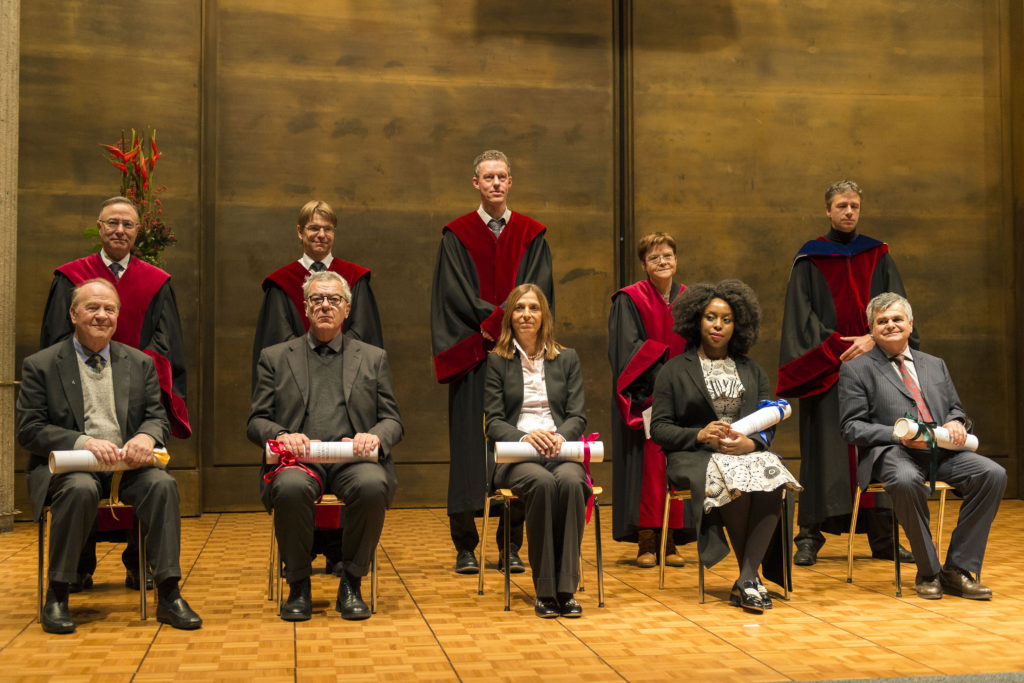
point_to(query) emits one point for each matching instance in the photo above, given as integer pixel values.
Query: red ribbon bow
(286, 460)
(587, 440)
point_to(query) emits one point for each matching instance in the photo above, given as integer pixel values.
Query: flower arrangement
(137, 169)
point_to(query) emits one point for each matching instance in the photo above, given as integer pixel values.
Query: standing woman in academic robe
(640, 341)
(533, 392)
(734, 478)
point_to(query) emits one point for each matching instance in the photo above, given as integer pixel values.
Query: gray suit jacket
(872, 396)
(51, 407)
(281, 395)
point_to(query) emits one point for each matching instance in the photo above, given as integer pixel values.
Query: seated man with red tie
(888, 383)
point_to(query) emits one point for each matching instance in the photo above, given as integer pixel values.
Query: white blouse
(536, 412)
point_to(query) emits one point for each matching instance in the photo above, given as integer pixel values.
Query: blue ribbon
(768, 435)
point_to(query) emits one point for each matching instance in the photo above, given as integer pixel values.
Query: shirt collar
(336, 344)
(107, 260)
(85, 354)
(307, 262)
(486, 217)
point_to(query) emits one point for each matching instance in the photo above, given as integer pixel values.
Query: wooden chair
(109, 518)
(505, 497)
(940, 486)
(328, 516)
(786, 531)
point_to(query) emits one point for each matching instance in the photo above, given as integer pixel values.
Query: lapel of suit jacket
(70, 379)
(749, 381)
(352, 359)
(696, 373)
(887, 370)
(928, 381)
(121, 376)
(296, 359)
(554, 382)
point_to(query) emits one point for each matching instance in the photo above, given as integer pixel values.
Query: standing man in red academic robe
(640, 341)
(148, 321)
(283, 314)
(483, 256)
(823, 326)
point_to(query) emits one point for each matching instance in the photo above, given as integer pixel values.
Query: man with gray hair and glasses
(890, 382)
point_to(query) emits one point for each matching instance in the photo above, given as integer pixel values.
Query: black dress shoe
(178, 614)
(746, 595)
(956, 581)
(906, 557)
(546, 608)
(465, 563)
(84, 582)
(350, 602)
(928, 587)
(515, 565)
(766, 599)
(131, 579)
(805, 555)
(299, 606)
(568, 607)
(57, 617)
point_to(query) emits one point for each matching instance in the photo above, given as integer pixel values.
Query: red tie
(915, 391)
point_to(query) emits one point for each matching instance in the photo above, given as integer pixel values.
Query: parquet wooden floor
(431, 624)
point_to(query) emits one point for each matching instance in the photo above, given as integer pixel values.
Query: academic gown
(148, 321)
(829, 288)
(473, 276)
(283, 314)
(640, 341)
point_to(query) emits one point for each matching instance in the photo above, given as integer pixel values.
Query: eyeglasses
(112, 223)
(667, 258)
(313, 229)
(332, 300)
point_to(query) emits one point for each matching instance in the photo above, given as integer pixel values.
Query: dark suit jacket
(503, 396)
(681, 408)
(872, 396)
(51, 407)
(281, 395)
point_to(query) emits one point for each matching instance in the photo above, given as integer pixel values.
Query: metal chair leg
(143, 569)
(787, 546)
(664, 539)
(508, 543)
(600, 561)
(853, 530)
(373, 582)
(272, 560)
(483, 545)
(896, 553)
(43, 519)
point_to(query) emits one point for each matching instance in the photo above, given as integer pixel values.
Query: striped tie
(915, 391)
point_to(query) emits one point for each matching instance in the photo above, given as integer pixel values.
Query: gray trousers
(555, 494)
(363, 486)
(978, 480)
(74, 498)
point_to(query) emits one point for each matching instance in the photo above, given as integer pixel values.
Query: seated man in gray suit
(879, 388)
(88, 392)
(324, 386)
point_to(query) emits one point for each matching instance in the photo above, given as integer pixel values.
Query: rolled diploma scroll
(908, 429)
(520, 451)
(324, 452)
(761, 419)
(85, 461)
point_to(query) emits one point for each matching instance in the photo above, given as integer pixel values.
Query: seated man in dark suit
(325, 386)
(90, 393)
(888, 383)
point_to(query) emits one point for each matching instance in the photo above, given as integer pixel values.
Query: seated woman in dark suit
(533, 392)
(733, 477)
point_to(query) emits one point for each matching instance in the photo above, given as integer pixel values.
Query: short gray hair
(76, 293)
(883, 301)
(490, 155)
(840, 187)
(326, 276)
(118, 200)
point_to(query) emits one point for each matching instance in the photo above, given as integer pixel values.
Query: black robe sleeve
(56, 321)
(278, 322)
(364, 321)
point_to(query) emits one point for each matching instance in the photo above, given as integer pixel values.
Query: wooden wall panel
(89, 70)
(380, 109)
(746, 112)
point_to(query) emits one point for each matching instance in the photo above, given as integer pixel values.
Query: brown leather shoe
(647, 549)
(958, 581)
(672, 557)
(928, 588)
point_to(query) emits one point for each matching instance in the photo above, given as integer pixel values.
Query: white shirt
(487, 218)
(123, 262)
(536, 411)
(909, 362)
(307, 262)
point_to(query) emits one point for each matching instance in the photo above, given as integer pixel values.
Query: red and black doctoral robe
(283, 313)
(640, 341)
(829, 288)
(473, 276)
(148, 320)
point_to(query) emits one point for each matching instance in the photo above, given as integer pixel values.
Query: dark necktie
(116, 269)
(96, 363)
(915, 391)
(317, 267)
(496, 225)
(323, 348)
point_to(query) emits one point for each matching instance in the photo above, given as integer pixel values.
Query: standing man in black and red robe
(283, 314)
(640, 342)
(824, 326)
(483, 256)
(148, 321)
